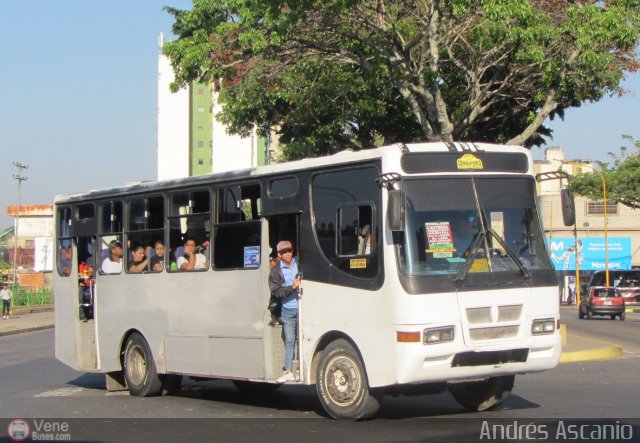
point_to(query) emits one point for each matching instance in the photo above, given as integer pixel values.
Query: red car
(602, 300)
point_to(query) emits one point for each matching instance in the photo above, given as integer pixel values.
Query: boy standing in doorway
(284, 281)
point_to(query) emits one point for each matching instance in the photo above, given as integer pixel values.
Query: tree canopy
(622, 177)
(335, 74)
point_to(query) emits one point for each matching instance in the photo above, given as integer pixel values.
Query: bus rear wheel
(484, 394)
(342, 383)
(140, 369)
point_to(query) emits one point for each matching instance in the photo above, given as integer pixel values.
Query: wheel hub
(343, 381)
(137, 365)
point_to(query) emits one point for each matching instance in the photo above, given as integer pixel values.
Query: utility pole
(20, 178)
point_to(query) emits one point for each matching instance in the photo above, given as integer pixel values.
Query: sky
(79, 97)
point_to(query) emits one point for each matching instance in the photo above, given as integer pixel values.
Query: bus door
(74, 298)
(279, 227)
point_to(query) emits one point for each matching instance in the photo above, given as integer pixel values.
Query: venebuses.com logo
(18, 429)
(38, 429)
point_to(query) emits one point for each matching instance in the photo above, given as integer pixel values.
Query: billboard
(591, 253)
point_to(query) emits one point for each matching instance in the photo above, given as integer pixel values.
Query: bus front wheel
(342, 383)
(140, 369)
(484, 394)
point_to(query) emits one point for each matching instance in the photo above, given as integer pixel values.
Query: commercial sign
(590, 252)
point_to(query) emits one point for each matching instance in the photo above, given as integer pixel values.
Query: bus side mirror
(568, 207)
(395, 213)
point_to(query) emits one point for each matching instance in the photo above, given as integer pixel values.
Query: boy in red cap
(284, 281)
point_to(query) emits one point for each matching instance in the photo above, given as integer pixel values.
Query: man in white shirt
(113, 263)
(191, 260)
(5, 294)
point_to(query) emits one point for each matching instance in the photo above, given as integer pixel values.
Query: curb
(30, 309)
(20, 331)
(605, 353)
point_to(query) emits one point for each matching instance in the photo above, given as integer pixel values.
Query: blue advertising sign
(252, 256)
(591, 253)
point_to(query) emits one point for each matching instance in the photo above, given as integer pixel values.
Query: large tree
(621, 177)
(331, 74)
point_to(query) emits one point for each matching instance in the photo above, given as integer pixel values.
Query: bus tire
(342, 385)
(484, 394)
(140, 369)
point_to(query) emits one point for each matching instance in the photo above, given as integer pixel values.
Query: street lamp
(606, 237)
(606, 234)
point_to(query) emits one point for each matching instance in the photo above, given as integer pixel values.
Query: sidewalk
(574, 347)
(27, 319)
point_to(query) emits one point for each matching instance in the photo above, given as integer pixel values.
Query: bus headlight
(543, 326)
(438, 335)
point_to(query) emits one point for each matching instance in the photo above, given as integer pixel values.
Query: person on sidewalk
(284, 281)
(5, 293)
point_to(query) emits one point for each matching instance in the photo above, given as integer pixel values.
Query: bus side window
(189, 221)
(238, 227)
(65, 258)
(354, 233)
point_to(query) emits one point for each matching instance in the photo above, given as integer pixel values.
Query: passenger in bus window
(113, 263)
(157, 261)
(65, 260)
(365, 240)
(191, 260)
(140, 259)
(284, 281)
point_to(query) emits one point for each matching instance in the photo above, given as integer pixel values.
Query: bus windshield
(471, 225)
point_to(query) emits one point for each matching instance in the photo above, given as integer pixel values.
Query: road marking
(61, 392)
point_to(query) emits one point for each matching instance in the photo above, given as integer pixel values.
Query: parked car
(602, 300)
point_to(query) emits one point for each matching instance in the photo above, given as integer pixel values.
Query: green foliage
(622, 177)
(337, 74)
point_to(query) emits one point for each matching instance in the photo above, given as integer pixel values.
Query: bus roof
(343, 157)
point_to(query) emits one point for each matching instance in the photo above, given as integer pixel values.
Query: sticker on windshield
(439, 239)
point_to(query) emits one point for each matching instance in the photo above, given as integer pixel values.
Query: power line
(20, 178)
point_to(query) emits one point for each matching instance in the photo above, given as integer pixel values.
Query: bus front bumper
(418, 363)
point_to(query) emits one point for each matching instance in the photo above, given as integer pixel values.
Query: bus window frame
(257, 209)
(170, 248)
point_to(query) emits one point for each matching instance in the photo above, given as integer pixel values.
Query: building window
(200, 162)
(597, 208)
(200, 91)
(200, 144)
(200, 109)
(200, 126)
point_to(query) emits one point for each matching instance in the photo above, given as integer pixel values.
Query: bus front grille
(494, 333)
(490, 357)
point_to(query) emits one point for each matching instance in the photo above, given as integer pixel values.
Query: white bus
(425, 269)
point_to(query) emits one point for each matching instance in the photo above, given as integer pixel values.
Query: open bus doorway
(282, 227)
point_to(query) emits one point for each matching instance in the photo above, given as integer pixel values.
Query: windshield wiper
(470, 252)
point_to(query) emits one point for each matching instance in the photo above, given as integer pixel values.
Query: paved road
(604, 331)
(34, 384)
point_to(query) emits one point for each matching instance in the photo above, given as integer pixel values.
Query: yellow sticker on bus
(469, 161)
(480, 265)
(358, 263)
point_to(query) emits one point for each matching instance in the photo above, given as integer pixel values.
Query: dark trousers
(6, 307)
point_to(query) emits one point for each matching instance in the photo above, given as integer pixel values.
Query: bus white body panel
(382, 301)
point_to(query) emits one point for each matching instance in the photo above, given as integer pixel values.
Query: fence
(25, 297)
